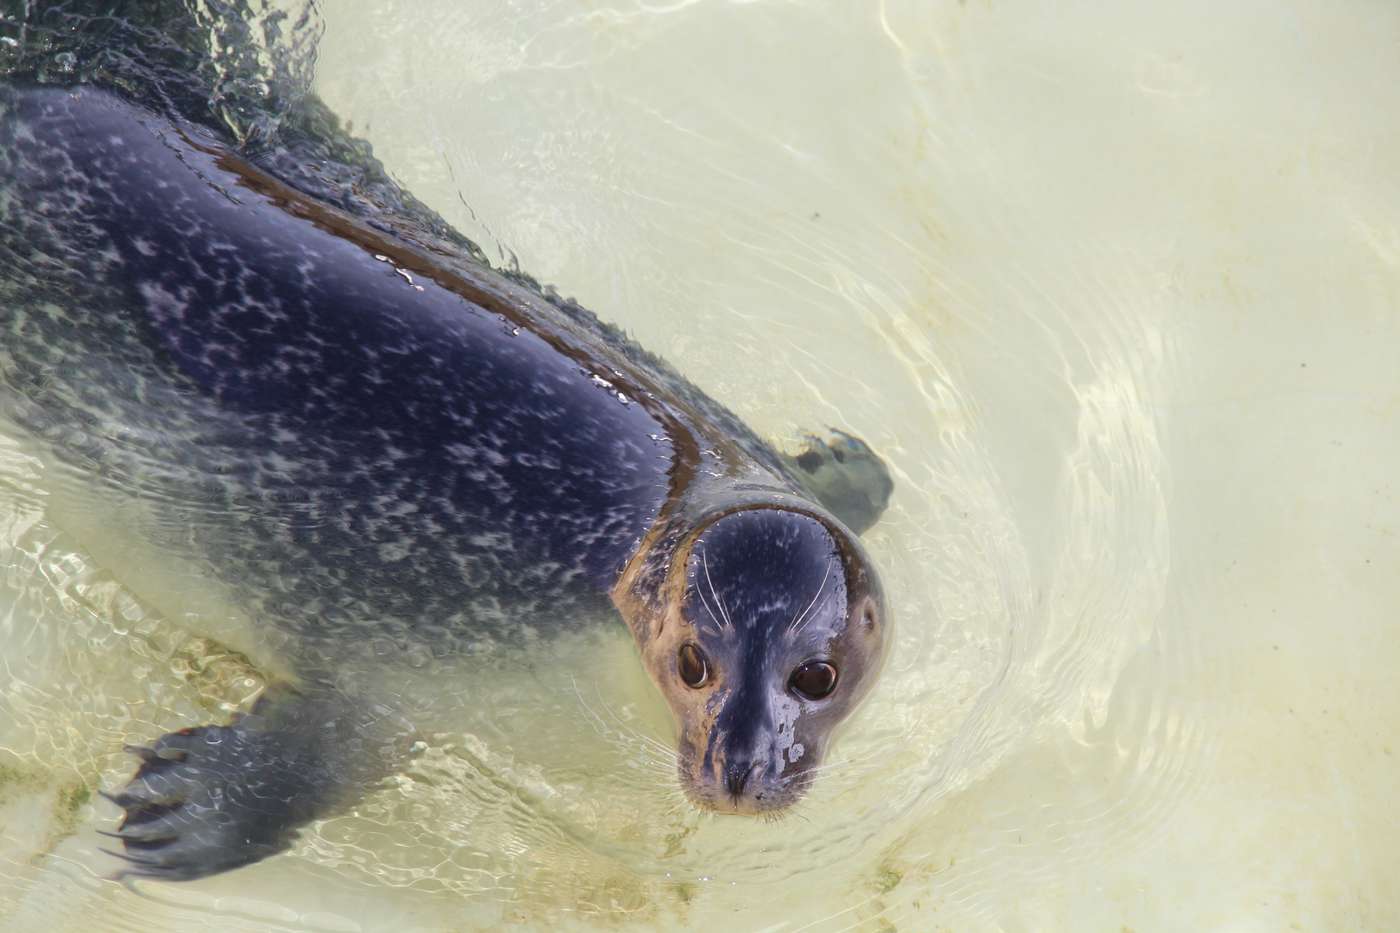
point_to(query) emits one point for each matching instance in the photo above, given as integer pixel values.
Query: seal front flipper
(212, 798)
(844, 475)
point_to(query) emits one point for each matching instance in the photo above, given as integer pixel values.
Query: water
(1116, 293)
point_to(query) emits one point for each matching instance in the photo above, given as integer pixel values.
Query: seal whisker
(728, 622)
(847, 765)
(868, 755)
(842, 777)
(657, 753)
(793, 627)
(719, 626)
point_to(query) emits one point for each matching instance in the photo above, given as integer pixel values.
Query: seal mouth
(768, 805)
(738, 795)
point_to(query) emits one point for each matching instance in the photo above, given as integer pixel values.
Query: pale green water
(1117, 291)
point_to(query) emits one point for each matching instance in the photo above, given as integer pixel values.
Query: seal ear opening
(868, 616)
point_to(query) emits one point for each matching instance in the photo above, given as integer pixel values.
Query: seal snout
(745, 780)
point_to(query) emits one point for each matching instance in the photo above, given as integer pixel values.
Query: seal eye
(814, 680)
(695, 670)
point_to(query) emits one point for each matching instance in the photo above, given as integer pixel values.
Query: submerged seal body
(361, 430)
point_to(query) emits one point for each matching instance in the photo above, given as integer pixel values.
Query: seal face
(773, 632)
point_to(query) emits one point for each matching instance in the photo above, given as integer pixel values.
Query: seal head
(773, 633)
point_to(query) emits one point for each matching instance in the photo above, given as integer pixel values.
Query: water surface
(1117, 293)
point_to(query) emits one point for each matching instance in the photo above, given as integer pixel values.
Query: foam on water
(1114, 290)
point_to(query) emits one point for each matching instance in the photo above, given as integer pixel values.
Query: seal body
(422, 448)
(359, 431)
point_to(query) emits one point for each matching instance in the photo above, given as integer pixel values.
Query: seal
(368, 435)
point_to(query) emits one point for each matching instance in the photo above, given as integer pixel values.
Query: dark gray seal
(369, 436)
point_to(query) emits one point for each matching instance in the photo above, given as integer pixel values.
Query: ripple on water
(1028, 715)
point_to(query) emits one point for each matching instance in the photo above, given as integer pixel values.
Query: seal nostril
(737, 776)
